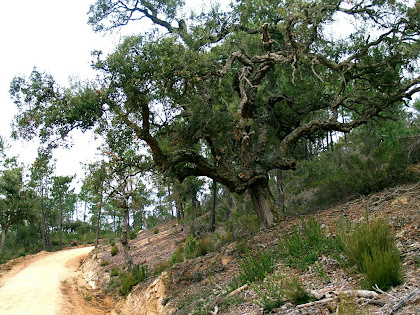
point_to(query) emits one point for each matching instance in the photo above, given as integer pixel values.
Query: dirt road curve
(36, 288)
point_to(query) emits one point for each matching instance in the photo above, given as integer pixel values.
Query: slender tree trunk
(170, 201)
(145, 226)
(213, 209)
(280, 189)
(124, 234)
(45, 223)
(114, 222)
(98, 223)
(262, 199)
(61, 222)
(4, 230)
(84, 212)
(194, 203)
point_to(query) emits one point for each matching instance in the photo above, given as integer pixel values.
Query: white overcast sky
(53, 36)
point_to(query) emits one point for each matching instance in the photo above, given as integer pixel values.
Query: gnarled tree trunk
(264, 205)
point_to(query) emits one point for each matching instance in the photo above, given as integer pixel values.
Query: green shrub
(140, 272)
(382, 268)
(128, 282)
(114, 250)
(130, 279)
(296, 292)
(114, 272)
(270, 293)
(160, 267)
(176, 257)
(256, 266)
(132, 235)
(104, 263)
(371, 247)
(156, 231)
(205, 245)
(190, 247)
(302, 247)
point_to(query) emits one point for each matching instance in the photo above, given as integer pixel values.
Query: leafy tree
(41, 172)
(63, 199)
(15, 201)
(220, 91)
(95, 186)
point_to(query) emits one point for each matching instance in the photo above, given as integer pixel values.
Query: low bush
(104, 263)
(205, 245)
(160, 267)
(114, 272)
(132, 235)
(371, 247)
(114, 250)
(256, 266)
(130, 279)
(303, 246)
(156, 231)
(176, 257)
(270, 293)
(190, 247)
(295, 291)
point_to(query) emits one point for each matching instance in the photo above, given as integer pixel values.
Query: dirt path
(37, 289)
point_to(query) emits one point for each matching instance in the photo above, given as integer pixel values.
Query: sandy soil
(37, 288)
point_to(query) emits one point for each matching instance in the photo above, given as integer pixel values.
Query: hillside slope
(203, 285)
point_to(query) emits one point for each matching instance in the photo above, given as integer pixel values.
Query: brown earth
(201, 285)
(43, 284)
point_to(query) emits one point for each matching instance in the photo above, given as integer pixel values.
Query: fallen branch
(404, 301)
(238, 290)
(366, 294)
(320, 302)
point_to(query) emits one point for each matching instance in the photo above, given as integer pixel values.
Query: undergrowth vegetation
(370, 246)
(304, 245)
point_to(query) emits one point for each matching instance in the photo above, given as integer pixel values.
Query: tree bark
(213, 209)
(3, 238)
(98, 223)
(61, 222)
(44, 223)
(280, 190)
(265, 207)
(124, 235)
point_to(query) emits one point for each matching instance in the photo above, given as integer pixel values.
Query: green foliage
(114, 250)
(159, 267)
(371, 247)
(348, 306)
(370, 159)
(296, 292)
(270, 292)
(104, 263)
(156, 231)
(303, 246)
(256, 266)
(205, 245)
(140, 272)
(130, 279)
(190, 248)
(127, 283)
(132, 235)
(177, 256)
(114, 272)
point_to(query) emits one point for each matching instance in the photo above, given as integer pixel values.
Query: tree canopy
(227, 94)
